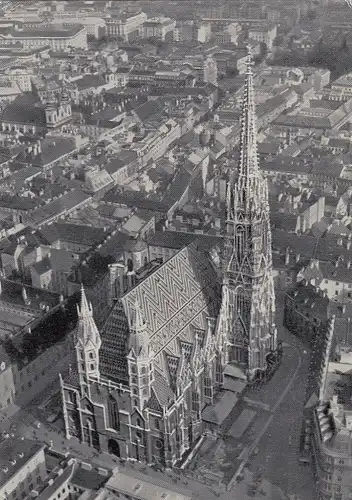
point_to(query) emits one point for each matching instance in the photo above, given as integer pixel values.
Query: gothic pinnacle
(84, 309)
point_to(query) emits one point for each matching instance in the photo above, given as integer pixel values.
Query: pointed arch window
(113, 411)
(218, 370)
(242, 306)
(240, 241)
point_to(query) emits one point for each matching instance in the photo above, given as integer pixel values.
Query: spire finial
(248, 160)
(85, 308)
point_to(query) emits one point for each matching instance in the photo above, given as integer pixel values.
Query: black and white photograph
(176, 250)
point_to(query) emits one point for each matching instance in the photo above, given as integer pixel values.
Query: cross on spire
(248, 167)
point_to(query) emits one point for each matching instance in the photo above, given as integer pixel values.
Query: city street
(278, 448)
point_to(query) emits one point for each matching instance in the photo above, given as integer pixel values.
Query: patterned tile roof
(175, 300)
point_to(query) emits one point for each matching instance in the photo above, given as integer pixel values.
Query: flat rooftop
(134, 484)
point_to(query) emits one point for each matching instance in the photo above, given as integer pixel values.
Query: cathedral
(140, 385)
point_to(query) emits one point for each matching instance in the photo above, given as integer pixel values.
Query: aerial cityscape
(175, 250)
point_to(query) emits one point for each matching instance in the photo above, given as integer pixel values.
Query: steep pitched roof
(175, 299)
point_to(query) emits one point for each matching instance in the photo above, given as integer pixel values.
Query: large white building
(57, 39)
(158, 28)
(264, 34)
(95, 26)
(126, 27)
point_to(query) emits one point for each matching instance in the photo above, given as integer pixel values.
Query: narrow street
(278, 448)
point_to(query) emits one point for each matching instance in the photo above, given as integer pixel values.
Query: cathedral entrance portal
(114, 448)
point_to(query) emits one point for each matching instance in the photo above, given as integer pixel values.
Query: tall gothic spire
(249, 157)
(248, 309)
(87, 331)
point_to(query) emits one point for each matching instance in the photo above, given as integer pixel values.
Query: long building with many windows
(74, 36)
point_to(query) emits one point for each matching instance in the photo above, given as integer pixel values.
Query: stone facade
(139, 391)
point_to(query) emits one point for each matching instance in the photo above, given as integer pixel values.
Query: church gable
(86, 405)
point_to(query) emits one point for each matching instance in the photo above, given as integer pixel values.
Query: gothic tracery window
(113, 411)
(240, 241)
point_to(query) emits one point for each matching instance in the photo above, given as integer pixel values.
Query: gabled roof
(60, 206)
(177, 187)
(73, 233)
(24, 114)
(52, 149)
(89, 81)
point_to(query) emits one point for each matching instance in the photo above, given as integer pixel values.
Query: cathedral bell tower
(248, 308)
(87, 345)
(140, 360)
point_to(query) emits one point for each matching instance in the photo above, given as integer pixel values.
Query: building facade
(126, 27)
(75, 37)
(331, 438)
(158, 28)
(265, 35)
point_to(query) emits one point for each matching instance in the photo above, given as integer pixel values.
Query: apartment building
(159, 28)
(22, 467)
(126, 26)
